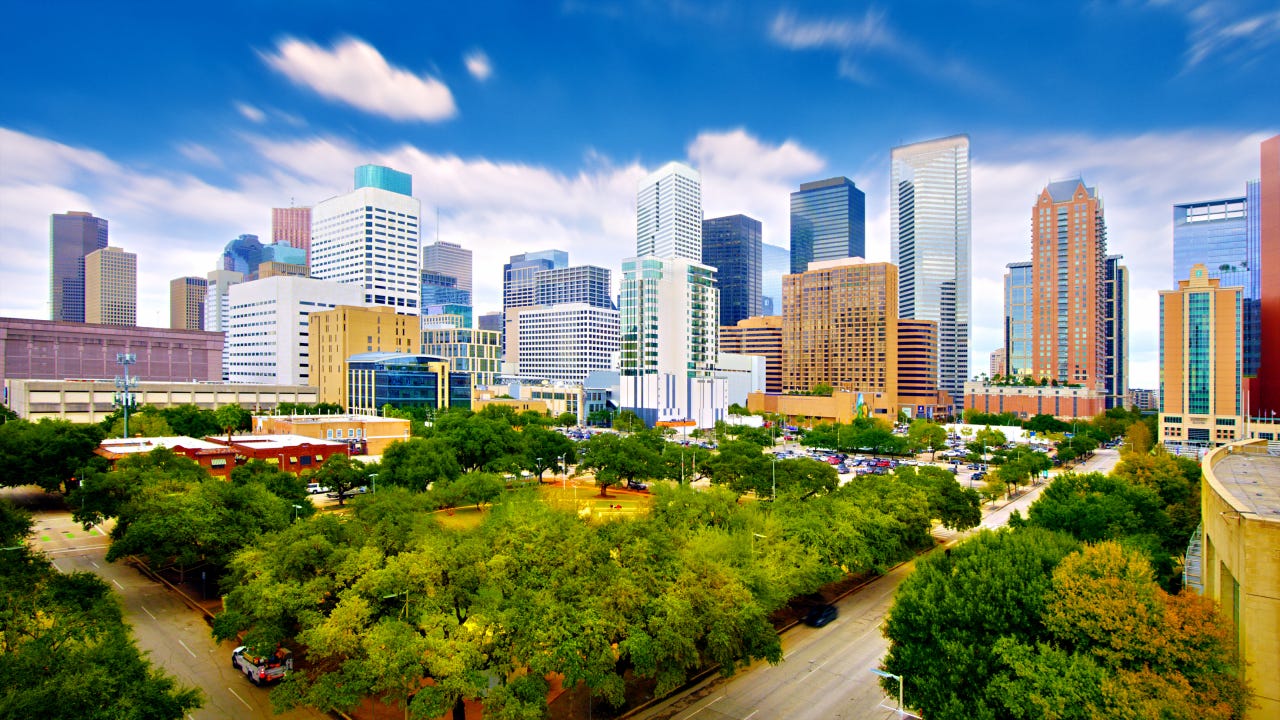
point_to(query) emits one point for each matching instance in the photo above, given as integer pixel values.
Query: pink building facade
(49, 350)
(292, 225)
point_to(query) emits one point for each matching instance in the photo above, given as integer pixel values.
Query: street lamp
(882, 673)
(774, 494)
(373, 482)
(539, 471)
(755, 535)
(564, 468)
(296, 508)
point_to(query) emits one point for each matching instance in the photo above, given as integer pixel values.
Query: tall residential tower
(929, 225)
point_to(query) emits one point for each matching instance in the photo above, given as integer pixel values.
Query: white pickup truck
(262, 669)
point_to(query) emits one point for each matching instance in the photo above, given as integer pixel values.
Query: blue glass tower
(732, 246)
(384, 178)
(774, 263)
(828, 222)
(243, 255)
(1225, 237)
(1018, 301)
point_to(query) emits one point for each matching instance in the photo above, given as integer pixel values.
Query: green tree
(481, 441)
(926, 435)
(48, 453)
(955, 506)
(191, 420)
(542, 450)
(479, 489)
(282, 484)
(948, 615)
(615, 459)
(628, 421)
(822, 389)
(802, 477)
(341, 475)
(1044, 424)
(740, 465)
(684, 463)
(1137, 439)
(567, 419)
(232, 418)
(418, 462)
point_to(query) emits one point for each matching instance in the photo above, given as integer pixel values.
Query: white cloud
(250, 113)
(478, 65)
(1214, 31)
(354, 72)
(198, 153)
(841, 34)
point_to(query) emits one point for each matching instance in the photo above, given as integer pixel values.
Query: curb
(138, 563)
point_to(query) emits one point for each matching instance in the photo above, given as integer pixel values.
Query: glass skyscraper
(828, 222)
(243, 255)
(775, 262)
(1224, 236)
(384, 178)
(1018, 289)
(930, 214)
(732, 246)
(72, 236)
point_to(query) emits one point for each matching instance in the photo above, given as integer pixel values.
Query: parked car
(820, 615)
(316, 488)
(269, 668)
(353, 491)
(637, 485)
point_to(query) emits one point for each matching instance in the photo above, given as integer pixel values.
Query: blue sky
(527, 124)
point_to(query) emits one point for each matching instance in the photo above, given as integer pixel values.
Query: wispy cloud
(1218, 29)
(864, 41)
(198, 153)
(354, 72)
(250, 113)
(478, 65)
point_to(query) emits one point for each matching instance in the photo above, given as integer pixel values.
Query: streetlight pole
(564, 468)
(296, 508)
(774, 494)
(125, 386)
(882, 673)
(373, 482)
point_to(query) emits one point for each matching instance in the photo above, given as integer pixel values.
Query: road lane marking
(753, 714)
(233, 692)
(78, 548)
(117, 582)
(184, 647)
(91, 562)
(153, 617)
(704, 707)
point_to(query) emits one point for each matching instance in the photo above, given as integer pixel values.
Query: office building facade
(775, 262)
(449, 259)
(1019, 293)
(998, 364)
(670, 339)
(828, 222)
(1068, 257)
(930, 219)
(292, 226)
(268, 327)
(375, 380)
(520, 291)
(1200, 362)
(840, 327)
(916, 368)
(587, 284)
(186, 303)
(1115, 320)
(337, 334)
(732, 245)
(669, 213)
(72, 236)
(757, 336)
(475, 352)
(243, 255)
(566, 342)
(1267, 389)
(48, 350)
(369, 238)
(111, 287)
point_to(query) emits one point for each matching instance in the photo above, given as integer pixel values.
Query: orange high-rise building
(760, 335)
(1068, 258)
(1268, 382)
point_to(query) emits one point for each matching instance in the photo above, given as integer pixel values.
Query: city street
(174, 636)
(826, 672)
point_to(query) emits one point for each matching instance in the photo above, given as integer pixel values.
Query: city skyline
(274, 129)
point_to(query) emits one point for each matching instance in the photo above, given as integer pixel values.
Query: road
(825, 673)
(173, 635)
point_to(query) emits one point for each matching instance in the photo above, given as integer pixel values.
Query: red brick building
(218, 459)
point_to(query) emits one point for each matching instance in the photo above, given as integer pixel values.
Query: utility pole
(125, 385)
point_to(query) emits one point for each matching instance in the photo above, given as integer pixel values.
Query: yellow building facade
(365, 434)
(337, 334)
(1240, 558)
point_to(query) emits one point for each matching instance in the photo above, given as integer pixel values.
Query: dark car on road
(637, 485)
(820, 615)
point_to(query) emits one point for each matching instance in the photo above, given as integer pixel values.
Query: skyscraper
(186, 303)
(72, 236)
(566, 342)
(446, 258)
(217, 307)
(1068, 258)
(775, 262)
(1019, 291)
(369, 238)
(669, 213)
(519, 291)
(1269, 247)
(242, 255)
(1223, 235)
(1200, 380)
(1115, 324)
(589, 284)
(732, 246)
(757, 336)
(828, 222)
(929, 225)
(268, 325)
(292, 225)
(111, 287)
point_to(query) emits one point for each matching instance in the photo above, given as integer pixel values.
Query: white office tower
(267, 326)
(929, 229)
(669, 213)
(670, 338)
(451, 259)
(369, 238)
(566, 342)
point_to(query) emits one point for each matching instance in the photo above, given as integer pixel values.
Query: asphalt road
(826, 672)
(174, 636)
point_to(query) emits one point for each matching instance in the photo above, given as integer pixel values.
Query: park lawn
(462, 518)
